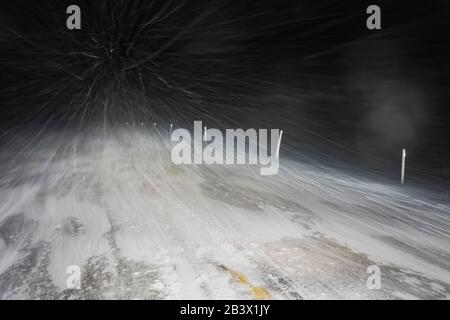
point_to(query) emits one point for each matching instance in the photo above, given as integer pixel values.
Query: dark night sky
(308, 67)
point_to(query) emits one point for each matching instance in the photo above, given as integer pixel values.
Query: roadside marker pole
(279, 143)
(403, 165)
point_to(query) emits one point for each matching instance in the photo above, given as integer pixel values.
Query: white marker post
(204, 135)
(171, 127)
(279, 143)
(403, 165)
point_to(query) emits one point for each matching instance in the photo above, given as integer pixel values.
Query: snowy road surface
(140, 227)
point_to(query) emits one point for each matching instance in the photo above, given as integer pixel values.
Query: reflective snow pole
(279, 142)
(403, 165)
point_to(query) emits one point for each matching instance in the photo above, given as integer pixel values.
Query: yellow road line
(258, 293)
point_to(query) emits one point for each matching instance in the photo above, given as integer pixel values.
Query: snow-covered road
(140, 227)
